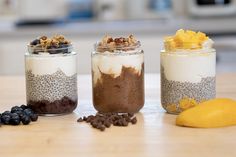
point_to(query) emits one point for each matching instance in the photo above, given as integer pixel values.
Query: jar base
(54, 115)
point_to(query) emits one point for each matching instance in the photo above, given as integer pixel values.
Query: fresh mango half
(219, 112)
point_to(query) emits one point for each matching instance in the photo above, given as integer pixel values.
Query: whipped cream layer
(44, 63)
(112, 63)
(189, 66)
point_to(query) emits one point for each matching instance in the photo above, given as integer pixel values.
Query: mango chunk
(185, 39)
(219, 112)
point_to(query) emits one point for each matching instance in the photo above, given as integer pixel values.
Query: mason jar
(187, 78)
(118, 79)
(51, 80)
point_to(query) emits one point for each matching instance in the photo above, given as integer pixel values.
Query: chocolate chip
(102, 128)
(134, 120)
(84, 118)
(125, 123)
(101, 121)
(107, 123)
(130, 114)
(80, 120)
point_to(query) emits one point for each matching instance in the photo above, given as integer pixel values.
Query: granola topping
(56, 44)
(117, 44)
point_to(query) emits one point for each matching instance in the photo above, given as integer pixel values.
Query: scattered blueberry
(6, 113)
(28, 112)
(34, 117)
(15, 119)
(25, 120)
(6, 119)
(18, 114)
(16, 109)
(23, 106)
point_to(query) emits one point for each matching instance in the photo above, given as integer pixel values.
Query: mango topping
(185, 39)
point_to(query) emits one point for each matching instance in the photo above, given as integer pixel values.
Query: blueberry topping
(35, 42)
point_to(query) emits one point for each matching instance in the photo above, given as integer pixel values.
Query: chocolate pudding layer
(124, 93)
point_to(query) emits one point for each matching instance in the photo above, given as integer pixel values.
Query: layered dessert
(187, 70)
(118, 75)
(51, 75)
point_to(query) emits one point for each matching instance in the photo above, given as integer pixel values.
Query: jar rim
(189, 51)
(51, 55)
(117, 48)
(32, 49)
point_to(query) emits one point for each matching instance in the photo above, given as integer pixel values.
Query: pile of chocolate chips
(102, 121)
(17, 115)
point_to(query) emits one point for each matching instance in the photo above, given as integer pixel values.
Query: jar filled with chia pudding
(118, 75)
(51, 76)
(187, 71)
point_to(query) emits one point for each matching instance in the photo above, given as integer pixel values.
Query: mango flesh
(218, 112)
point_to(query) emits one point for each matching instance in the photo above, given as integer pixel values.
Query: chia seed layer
(173, 91)
(54, 93)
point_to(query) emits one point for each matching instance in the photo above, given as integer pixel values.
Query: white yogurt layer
(185, 66)
(109, 63)
(42, 64)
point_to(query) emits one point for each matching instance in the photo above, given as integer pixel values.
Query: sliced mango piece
(217, 112)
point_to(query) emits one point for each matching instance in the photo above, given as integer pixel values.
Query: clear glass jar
(187, 78)
(51, 80)
(118, 79)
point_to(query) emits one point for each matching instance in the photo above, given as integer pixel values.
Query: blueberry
(34, 117)
(6, 119)
(23, 106)
(25, 120)
(6, 113)
(63, 47)
(15, 119)
(53, 50)
(35, 42)
(15, 109)
(28, 112)
(20, 113)
(15, 115)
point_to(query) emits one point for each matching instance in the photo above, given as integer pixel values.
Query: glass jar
(51, 80)
(187, 78)
(118, 79)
